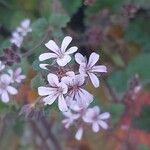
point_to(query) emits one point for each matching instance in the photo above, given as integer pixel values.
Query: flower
(89, 68)
(2, 66)
(6, 88)
(16, 39)
(55, 90)
(24, 27)
(61, 55)
(75, 90)
(16, 75)
(69, 118)
(97, 120)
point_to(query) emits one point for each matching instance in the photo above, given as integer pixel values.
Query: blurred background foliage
(119, 30)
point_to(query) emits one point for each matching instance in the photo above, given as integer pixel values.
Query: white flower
(16, 39)
(6, 88)
(79, 134)
(24, 27)
(76, 92)
(97, 120)
(69, 118)
(89, 68)
(16, 75)
(2, 66)
(61, 55)
(56, 90)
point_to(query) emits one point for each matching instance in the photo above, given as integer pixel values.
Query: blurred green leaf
(116, 111)
(143, 147)
(72, 6)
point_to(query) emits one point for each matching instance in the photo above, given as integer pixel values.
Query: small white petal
(99, 68)
(43, 91)
(96, 110)
(94, 79)
(64, 60)
(79, 58)
(104, 115)
(62, 103)
(53, 46)
(5, 97)
(66, 41)
(53, 80)
(93, 59)
(79, 134)
(48, 100)
(5, 78)
(63, 87)
(12, 90)
(71, 50)
(103, 124)
(95, 127)
(46, 56)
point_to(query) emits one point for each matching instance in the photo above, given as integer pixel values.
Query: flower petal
(64, 60)
(5, 97)
(43, 91)
(79, 134)
(12, 90)
(62, 103)
(96, 110)
(66, 41)
(94, 79)
(5, 78)
(94, 57)
(79, 58)
(104, 115)
(99, 68)
(53, 46)
(103, 124)
(44, 66)
(71, 50)
(53, 80)
(48, 100)
(46, 56)
(95, 127)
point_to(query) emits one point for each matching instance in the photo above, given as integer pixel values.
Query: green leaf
(139, 65)
(58, 20)
(72, 6)
(116, 111)
(37, 81)
(143, 147)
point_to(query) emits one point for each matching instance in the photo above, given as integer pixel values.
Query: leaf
(37, 81)
(58, 20)
(116, 111)
(72, 6)
(139, 65)
(143, 147)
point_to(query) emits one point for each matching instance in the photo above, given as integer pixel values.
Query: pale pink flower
(2, 66)
(16, 75)
(54, 90)
(97, 120)
(6, 88)
(24, 27)
(88, 68)
(69, 118)
(62, 55)
(76, 91)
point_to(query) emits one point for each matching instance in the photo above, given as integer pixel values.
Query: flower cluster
(9, 80)
(66, 84)
(20, 32)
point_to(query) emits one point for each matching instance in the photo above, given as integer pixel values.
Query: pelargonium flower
(16, 75)
(88, 68)
(54, 90)
(6, 88)
(16, 39)
(69, 118)
(2, 66)
(24, 27)
(79, 133)
(97, 120)
(62, 54)
(76, 91)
